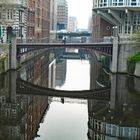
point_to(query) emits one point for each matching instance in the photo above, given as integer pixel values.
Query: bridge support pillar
(115, 55)
(13, 54)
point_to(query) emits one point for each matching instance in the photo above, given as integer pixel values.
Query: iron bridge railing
(104, 48)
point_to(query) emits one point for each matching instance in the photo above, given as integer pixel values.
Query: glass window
(133, 2)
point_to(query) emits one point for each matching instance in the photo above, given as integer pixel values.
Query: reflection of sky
(68, 121)
(64, 122)
(77, 75)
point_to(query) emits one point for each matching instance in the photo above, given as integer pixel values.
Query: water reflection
(119, 118)
(28, 117)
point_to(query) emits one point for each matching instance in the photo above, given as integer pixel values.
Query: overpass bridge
(73, 34)
(24, 87)
(104, 48)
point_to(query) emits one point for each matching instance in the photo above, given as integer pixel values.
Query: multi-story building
(42, 20)
(53, 20)
(31, 21)
(123, 16)
(72, 24)
(62, 14)
(13, 14)
(53, 15)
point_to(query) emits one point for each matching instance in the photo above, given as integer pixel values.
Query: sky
(82, 10)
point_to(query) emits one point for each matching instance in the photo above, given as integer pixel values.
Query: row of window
(106, 3)
(10, 15)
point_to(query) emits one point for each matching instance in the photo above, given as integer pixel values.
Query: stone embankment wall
(137, 69)
(125, 51)
(121, 52)
(4, 57)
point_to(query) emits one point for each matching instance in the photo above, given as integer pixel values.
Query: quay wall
(121, 52)
(4, 58)
(137, 69)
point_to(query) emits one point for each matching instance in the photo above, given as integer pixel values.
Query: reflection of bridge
(104, 48)
(24, 87)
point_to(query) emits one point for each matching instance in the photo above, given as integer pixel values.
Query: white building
(13, 13)
(72, 24)
(124, 15)
(62, 14)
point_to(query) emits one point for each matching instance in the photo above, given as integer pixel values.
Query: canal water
(29, 112)
(67, 120)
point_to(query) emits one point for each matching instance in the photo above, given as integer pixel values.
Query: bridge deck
(105, 48)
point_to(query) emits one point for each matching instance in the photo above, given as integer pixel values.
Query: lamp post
(115, 31)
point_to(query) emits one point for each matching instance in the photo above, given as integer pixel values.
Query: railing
(104, 48)
(124, 3)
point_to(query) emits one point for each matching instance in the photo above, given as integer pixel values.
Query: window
(133, 2)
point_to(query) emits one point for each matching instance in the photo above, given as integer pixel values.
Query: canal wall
(122, 50)
(4, 58)
(137, 69)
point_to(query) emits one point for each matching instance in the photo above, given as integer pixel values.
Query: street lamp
(115, 31)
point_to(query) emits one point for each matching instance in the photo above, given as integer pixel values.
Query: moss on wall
(131, 64)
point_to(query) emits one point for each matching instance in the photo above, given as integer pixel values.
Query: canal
(30, 115)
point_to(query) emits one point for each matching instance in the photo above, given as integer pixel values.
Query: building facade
(122, 15)
(31, 21)
(53, 15)
(13, 14)
(42, 20)
(72, 24)
(62, 14)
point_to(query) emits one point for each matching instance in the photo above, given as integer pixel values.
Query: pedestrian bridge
(104, 48)
(24, 87)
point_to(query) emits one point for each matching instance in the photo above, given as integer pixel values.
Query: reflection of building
(124, 15)
(52, 69)
(118, 118)
(20, 115)
(62, 14)
(60, 72)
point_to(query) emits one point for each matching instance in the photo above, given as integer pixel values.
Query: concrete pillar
(115, 55)
(13, 54)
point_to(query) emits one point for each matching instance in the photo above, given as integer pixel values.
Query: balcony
(116, 4)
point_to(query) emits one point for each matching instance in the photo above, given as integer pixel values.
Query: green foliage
(135, 58)
(132, 62)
